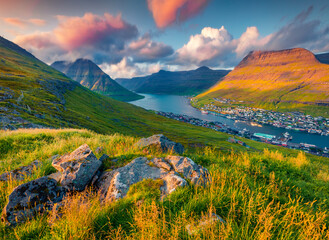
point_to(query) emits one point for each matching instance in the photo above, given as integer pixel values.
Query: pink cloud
(38, 40)
(16, 22)
(37, 21)
(167, 12)
(146, 50)
(75, 32)
(22, 23)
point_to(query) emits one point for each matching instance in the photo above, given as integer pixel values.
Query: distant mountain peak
(203, 68)
(279, 57)
(88, 74)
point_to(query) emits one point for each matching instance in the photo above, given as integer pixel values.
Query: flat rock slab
(31, 198)
(21, 173)
(161, 142)
(78, 168)
(115, 184)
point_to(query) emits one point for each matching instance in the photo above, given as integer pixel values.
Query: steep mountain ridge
(180, 83)
(91, 76)
(290, 79)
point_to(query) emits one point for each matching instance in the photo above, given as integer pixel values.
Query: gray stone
(161, 142)
(21, 173)
(78, 168)
(189, 169)
(115, 184)
(56, 176)
(31, 198)
(99, 150)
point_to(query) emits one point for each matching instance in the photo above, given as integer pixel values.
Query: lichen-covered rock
(161, 142)
(115, 184)
(20, 173)
(78, 168)
(189, 169)
(31, 198)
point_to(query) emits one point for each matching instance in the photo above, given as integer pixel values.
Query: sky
(128, 38)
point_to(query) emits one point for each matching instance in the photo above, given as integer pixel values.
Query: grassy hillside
(287, 80)
(260, 195)
(88, 74)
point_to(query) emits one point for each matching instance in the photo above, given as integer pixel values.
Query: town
(261, 137)
(290, 120)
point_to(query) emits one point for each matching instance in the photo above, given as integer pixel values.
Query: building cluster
(266, 138)
(291, 120)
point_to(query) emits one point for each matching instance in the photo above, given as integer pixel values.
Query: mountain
(91, 76)
(290, 79)
(323, 58)
(33, 94)
(180, 83)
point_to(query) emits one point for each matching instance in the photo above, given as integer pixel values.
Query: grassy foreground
(260, 195)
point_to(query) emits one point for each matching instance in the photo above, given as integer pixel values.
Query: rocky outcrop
(20, 173)
(173, 170)
(81, 168)
(161, 142)
(189, 169)
(31, 198)
(77, 168)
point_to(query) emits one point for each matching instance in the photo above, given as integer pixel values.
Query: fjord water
(180, 105)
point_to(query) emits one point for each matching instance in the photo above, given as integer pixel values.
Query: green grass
(260, 195)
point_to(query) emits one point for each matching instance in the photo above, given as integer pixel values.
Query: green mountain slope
(279, 80)
(88, 74)
(32, 94)
(179, 83)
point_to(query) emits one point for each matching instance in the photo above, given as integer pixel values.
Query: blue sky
(137, 37)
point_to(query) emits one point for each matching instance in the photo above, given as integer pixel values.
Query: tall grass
(260, 195)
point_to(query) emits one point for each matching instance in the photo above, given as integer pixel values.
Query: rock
(103, 157)
(115, 184)
(52, 158)
(189, 169)
(161, 142)
(99, 150)
(31, 198)
(203, 223)
(20, 173)
(56, 176)
(77, 168)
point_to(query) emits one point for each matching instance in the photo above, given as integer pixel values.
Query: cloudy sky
(129, 38)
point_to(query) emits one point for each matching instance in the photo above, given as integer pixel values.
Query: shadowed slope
(91, 76)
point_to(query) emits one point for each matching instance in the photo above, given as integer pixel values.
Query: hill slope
(180, 83)
(283, 80)
(91, 76)
(323, 58)
(32, 94)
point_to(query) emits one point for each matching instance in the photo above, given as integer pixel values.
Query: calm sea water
(180, 105)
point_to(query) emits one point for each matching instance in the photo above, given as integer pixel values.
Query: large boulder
(189, 169)
(161, 142)
(77, 168)
(31, 198)
(20, 173)
(115, 184)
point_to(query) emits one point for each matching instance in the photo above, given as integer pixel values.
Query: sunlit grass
(260, 195)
